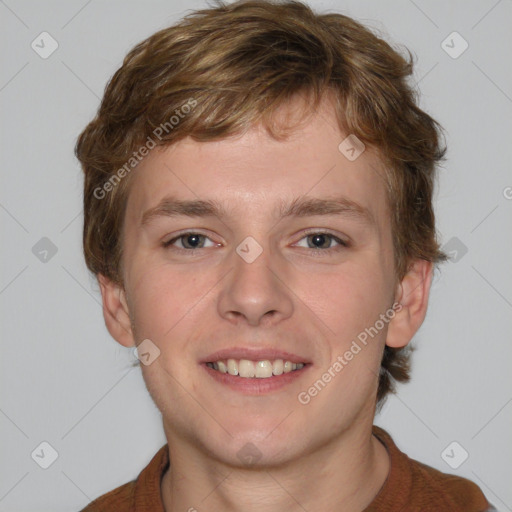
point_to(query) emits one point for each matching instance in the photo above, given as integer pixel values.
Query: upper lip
(253, 354)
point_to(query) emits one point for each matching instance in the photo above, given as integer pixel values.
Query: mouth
(260, 369)
(255, 371)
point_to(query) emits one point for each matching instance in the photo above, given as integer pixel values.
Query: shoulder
(452, 492)
(119, 499)
(412, 485)
(141, 494)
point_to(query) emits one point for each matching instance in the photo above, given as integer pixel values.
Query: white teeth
(263, 369)
(232, 367)
(255, 369)
(277, 367)
(246, 368)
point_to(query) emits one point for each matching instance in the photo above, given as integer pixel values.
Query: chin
(251, 454)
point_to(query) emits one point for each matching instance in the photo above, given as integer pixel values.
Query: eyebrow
(298, 207)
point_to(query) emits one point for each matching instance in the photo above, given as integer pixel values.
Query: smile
(246, 368)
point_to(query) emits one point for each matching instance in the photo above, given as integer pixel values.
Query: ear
(412, 293)
(115, 311)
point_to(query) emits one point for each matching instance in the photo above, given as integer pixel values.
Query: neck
(347, 471)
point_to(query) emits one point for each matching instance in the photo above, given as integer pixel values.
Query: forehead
(253, 173)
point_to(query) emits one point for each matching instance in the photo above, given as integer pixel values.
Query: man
(258, 212)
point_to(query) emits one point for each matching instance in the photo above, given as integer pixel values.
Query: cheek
(162, 297)
(356, 298)
(356, 295)
(167, 307)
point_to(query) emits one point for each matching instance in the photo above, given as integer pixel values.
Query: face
(253, 256)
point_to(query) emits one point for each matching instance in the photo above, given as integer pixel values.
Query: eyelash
(342, 243)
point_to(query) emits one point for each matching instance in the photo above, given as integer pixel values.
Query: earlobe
(412, 294)
(115, 311)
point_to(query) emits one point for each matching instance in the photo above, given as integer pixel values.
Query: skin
(295, 296)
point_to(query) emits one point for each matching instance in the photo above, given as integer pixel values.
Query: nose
(256, 292)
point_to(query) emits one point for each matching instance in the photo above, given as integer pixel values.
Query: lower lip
(255, 386)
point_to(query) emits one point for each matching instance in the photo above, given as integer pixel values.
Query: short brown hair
(238, 63)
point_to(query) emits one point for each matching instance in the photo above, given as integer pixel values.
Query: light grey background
(66, 382)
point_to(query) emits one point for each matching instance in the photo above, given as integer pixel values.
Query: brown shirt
(410, 487)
